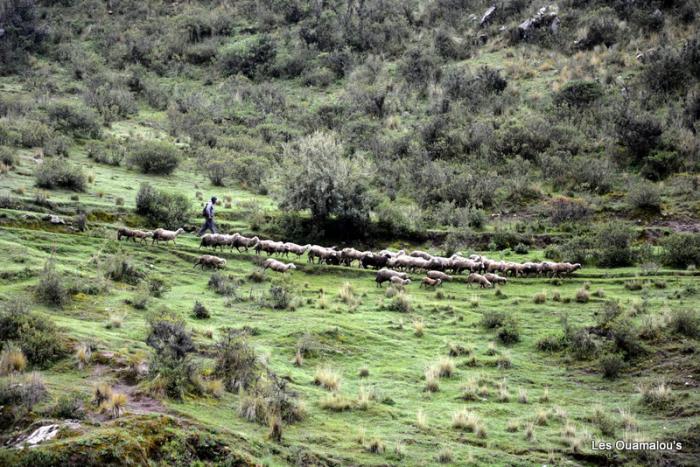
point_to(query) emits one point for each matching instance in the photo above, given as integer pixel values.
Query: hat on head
(213, 198)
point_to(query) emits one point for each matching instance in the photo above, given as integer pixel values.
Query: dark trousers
(208, 225)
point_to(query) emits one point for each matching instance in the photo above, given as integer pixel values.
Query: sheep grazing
(475, 278)
(398, 282)
(421, 254)
(439, 275)
(428, 282)
(495, 278)
(210, 261)
(384, 275)
(375, 261)
(133, 234)
(278, 266)
(162, 235)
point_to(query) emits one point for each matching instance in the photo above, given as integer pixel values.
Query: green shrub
(509, 332)
(111, 153)
(169, 210)
(644, 196)
(401, 303)
(69, 406)
(236, 361)
(36, 335)
(551, 343)
(200, 311)
(611, 365)
(626, 339)
(154, 157)
(582, 345)
(222, 284)
(613, 242)
(521, 249)
(55, 173)
(57, 145)
(171, 365)
(110, 100)
(681, 250)
(120, 268)
(686, 322)
(578, 93)
(493, 319)
(664, 70)
(279, 297)
(602, 30)
(19, 396)
(250, 57)
(23, 34)
(51, 289)
(76, 119)
(7, 156)
(639, 133)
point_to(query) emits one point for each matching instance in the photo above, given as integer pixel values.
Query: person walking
(208, 213)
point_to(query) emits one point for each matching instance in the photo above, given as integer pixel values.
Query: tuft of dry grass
(470, 391)
(432, 380)
(421, 420)
(364, 397)
(335, 402)
(544, 398)
(540, 297)
(418, 327)
(445, 367)
(327, 378)
(656, 396)
(512, 426)
(298, 358)
(116, 405)
(115, 321)
(522, 396)
(491, 349)
(375, 446)
(542, 417)
(445, 455)
(12, 360)
(214, 388)
(83, 354)
(530, 432)
(582, 296)
(474, 301)
(629, 421)
(569, 430)
(102, 394)
(468, 421)
(348, 296)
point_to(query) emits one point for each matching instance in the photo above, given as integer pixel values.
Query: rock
(43, 433)
(488, 15)
(54, 219)
(545, 16)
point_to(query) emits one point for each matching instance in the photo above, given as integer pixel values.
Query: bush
(521, 249)
(51, 289)
(686, 322)
(613, 242)
(161, 208)
(69, 406)
(644, 196)
(578, 94)
(250, 57)
(76, 119)
(551, 343)
(56, 173)
(611, 365)
(568, 210)
(509, 332)
(316, 176)
(582, 345)
(175, 373)
(217, 171)
(279, 297)
(110, 153)
(223, 285)
(120, 268)
(20, 395)
(154, 157)
(681, 250)
(401, 303)
(665, 71)
(493, 319)
(7, 156)
(626, 339)
(602, 30)
(35, 335)
(418, 67)
(22, 34)
(57, 145)
(639, 133)
(236, 361)
(200, 311)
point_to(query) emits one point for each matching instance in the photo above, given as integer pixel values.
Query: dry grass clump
(101, 394)
(12, 360)
(432, 377)
(298, 358)
(544, 398)
(542, 417)
(445, 455)
(115, 321)
(474, 301)
(530, 432)
(348, 296)
(115, 405)
(327, 378)
(375, 446)
(582, 296)
(419, 327)
(466, 420)
(656, 396)
(503, 393)
(540, 297)
(629, 421)
(214, 388)
(504, 361)
(560, 413)
(522, 396)
(512, 426)
(445, 367)
(569, 430)
(457, 350)
(364, 397)
(421, 420)
(335, 402)
(470, 391)
(83, 354)
(556, 297)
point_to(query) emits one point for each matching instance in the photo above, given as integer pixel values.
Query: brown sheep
(384, 275)
(210, 261)
(495, 278)
(479, 279)
(439, 275)
(428, 282)
(133, 234)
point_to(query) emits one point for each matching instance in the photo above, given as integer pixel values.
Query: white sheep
(162, 235)
(210, 261)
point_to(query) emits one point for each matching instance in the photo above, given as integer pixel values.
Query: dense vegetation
(437, 124)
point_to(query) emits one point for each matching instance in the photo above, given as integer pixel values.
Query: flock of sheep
(391, 266)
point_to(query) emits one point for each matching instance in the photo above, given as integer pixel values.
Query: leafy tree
(169, 210)
(316, 176)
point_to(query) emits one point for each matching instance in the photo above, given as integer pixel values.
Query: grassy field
(362, 332)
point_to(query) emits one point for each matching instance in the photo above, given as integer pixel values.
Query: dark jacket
(209, 210)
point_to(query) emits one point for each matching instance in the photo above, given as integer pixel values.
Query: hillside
(519, 131)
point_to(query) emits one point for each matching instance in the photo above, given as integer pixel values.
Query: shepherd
(208, 213)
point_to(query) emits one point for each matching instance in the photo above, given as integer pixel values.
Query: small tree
(169, 210)
(613, 241)
(155, 157)
(316, 176)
